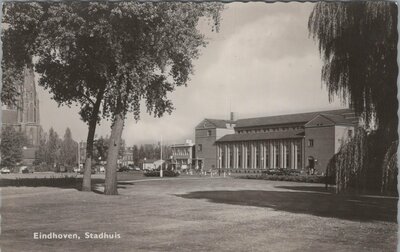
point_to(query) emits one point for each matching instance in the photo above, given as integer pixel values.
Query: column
(235, 155)
(218, 156)
(295, 156)
(292, 155)
(271, 155)
(262, 155)
(228, 156)
(253, 155)
(303, 154)
(284, 149)
(281, 164)
(244, 153)
(225, 146)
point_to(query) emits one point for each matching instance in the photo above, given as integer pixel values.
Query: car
(81, 171)
(25, 170)
(124, 169)
(102, 169)
(5, 170)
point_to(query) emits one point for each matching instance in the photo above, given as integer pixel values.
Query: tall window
(287, 156)
(248, 152)
(240, 157)
(230, 165)
(199, 147)
(257, 155)
(310, 142)
(209, 132)
(277, 155)
(298, 150)
(266, 156)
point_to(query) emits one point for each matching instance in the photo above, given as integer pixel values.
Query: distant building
(296, 141)
(207, 132)
(151, 164)
(183, 156)
(127, 157)
(82, 154)
(25, 116)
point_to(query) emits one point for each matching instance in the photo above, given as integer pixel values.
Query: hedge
(292, 178)
(165, 173)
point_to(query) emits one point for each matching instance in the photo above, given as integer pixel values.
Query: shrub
(166, 173)
(292, 178)
(66, 181)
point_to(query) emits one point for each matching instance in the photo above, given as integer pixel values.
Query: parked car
(101, 169)
(24, 169)
(81, 171)
(124, 169)
(5, 170)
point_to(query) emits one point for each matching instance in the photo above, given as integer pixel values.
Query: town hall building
(296, 141)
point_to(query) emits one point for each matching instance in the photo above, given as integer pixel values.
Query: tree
(108, 57)
(135, 154)
(52, 148)
(100, 148)
(68, 150)
(358, 44)
(80, 80)
(40, 153)
(12, 143)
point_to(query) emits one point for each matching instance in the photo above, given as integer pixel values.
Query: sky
(262, 62)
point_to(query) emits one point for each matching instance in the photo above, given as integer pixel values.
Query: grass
(200, 214)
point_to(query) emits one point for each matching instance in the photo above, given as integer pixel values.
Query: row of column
(260, 154)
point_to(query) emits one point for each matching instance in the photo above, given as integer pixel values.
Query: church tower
(24, 117)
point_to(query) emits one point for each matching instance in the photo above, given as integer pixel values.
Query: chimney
(233, 116)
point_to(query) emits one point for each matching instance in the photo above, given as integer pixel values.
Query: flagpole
(161, 169)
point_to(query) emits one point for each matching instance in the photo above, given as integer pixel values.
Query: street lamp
(219, 166)
(172, 162)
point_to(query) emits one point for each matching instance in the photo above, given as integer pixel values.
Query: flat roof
(262, 136)
(292, 118)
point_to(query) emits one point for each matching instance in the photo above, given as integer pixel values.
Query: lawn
(199, 214)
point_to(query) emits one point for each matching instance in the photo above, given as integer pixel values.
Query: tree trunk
(112, 157)
(86, 184)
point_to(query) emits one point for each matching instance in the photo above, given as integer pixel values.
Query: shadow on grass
(120, 185)
(58, 182)
(347, 207)
(331, 189)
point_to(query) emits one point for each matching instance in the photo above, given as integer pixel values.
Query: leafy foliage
(53, 148)
(358, 44)
(133, 51)
(349, 165)
(358, 166)
(11, 146)
(101, 148)
(390, 169)
(68, 150)
(109, 56)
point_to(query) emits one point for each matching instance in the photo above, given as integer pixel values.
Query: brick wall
(323, 148)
